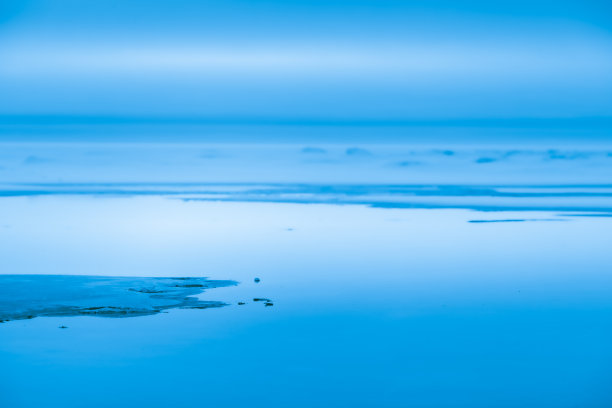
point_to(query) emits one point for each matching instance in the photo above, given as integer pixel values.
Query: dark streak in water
(499, 198)
(587, 215)
(29, 296)
(483, 221)
(516, 220)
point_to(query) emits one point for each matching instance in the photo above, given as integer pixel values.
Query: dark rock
(30, 296)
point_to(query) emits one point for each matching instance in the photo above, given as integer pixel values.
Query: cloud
(33, 160)
(313, 150)
(358, 152)
(482, 160)
(566, 155)
(408, 163)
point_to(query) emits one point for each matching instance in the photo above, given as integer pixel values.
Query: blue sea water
(401, 275)
(272, 203)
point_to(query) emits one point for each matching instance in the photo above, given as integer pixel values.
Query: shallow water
(373, 306)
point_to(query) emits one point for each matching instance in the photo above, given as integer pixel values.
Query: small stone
(241, 303)
(257, 280)
(268, 304)
(63, 327)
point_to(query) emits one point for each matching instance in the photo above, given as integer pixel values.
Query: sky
(311, 60)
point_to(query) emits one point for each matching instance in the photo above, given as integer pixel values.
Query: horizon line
(114, 119)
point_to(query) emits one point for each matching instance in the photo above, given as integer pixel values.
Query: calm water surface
(388, 307)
